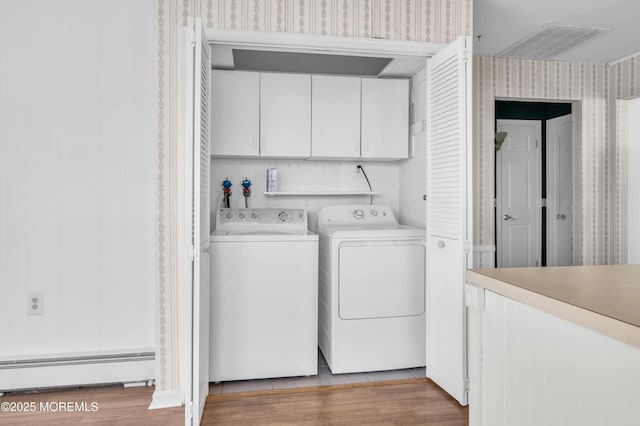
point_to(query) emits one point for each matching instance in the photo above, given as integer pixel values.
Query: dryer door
(381, 279)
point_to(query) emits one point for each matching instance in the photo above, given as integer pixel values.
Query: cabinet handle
(263, 143)
(255, 142)
(441, 244)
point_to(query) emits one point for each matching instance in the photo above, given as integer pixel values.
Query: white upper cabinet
(385, 118)
(285, 115)
(235, 113)
(302, 116)
(335, 117)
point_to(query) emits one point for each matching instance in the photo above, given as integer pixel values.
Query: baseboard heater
(76, 370)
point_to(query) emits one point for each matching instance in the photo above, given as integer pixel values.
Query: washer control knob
(374, 212)
(283, 216)
(242, 215)
(253, 216)
(358, 214)
(228, 215)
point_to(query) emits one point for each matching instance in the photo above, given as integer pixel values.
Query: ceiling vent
(551, 40)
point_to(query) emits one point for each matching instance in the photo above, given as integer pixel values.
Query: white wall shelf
(319, 193)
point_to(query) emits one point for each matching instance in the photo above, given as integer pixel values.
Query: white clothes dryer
(371, 290)
(264, 295)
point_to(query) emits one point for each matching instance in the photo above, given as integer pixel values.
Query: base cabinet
(539, 369)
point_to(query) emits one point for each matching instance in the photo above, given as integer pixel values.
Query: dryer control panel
(358, 214)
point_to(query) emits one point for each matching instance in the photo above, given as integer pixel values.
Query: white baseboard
(167, 399)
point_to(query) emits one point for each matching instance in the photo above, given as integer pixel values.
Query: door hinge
(466, 388)
(466, 55)
(466, 246)
(192, 36)
(190, 409)
(191, 253)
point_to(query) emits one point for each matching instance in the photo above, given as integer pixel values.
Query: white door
(335, 113)
(197, 163)
(559, 191)
(518, 194)
(285, 115)
(449, 217)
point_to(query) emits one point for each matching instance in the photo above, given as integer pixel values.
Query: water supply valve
(226, 192)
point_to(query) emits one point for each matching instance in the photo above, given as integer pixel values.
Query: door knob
(508, 217)
(561, 216)
(440, 244)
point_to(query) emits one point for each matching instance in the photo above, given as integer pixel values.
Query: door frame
(306, 43)
(576, 167)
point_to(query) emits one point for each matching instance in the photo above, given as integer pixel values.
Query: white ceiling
(501, 23)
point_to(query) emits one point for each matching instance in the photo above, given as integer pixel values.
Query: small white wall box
(272, 180)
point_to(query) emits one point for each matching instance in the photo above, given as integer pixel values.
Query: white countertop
(603, 298)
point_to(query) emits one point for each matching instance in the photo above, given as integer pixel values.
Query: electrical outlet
(35, 303)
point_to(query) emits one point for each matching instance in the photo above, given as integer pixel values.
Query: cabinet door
(235, 116)
(335, 113)
(285, 115)
(385, 118)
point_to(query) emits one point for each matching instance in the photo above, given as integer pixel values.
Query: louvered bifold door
(197, 113)
(448, 215)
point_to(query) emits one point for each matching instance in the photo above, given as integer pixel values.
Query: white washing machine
(371, 290)
(264, 295)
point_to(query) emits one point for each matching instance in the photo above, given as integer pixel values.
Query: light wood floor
(402, 402)
(116, 406)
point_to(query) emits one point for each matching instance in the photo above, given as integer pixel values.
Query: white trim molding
(167, 399)
(292, 42)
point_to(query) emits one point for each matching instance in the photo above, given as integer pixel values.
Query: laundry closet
(341, 136)
(305, 141)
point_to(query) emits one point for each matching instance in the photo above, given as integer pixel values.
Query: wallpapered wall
(418, 20)
(422, 20)
(624, 80)
(598, 160)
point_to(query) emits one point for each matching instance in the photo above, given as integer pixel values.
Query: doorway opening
(447, 357)
(534, 183)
